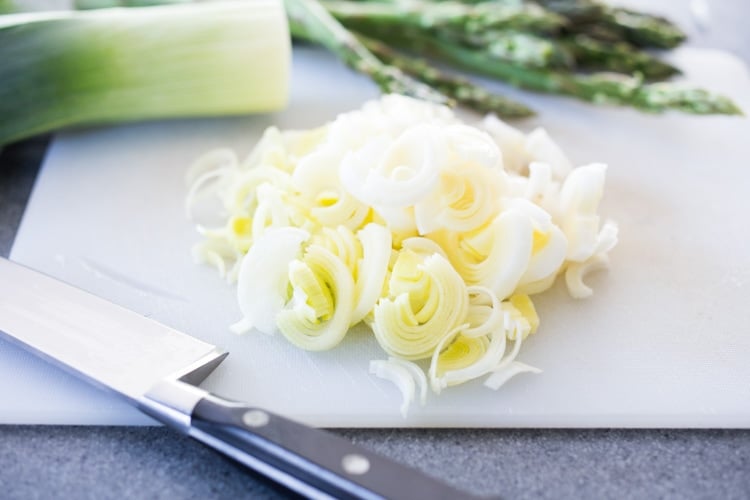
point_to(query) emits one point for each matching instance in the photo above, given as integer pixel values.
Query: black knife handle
(312, 462)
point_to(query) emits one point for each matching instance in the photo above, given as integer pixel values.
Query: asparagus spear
(310, 21)
(574, 10)
(619, 57)
(645, 30)
(463, 91)
(467, 18)
(532, 50)
(615, 23)
(610, 23)
(526, 49)
(598, 88)
(567, 52)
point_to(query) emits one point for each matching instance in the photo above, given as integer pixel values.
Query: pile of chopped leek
(63, 69)
(432, 232)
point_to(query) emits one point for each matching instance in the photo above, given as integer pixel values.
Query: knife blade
(157, 369)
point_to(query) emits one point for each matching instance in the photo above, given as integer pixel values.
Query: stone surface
(147, 462)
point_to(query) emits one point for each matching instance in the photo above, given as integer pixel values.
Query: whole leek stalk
(116, 65)
(6, 6)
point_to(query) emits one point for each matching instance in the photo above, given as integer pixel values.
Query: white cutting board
(665, 341)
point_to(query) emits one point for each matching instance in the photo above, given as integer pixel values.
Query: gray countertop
(153, 462)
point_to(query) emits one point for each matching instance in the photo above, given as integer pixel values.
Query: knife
(157, 369)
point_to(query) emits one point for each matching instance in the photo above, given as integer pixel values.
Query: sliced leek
(406, 375)
(263, 285)
(426, 300)
(431, 232)
(63, 69)
(319, 312)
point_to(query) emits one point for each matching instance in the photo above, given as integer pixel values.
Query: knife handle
(312, 462)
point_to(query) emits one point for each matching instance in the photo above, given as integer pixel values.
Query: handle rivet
(355, 464)
(255, 418)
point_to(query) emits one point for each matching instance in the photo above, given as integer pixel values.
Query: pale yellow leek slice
(516, 325)
(535, 287)
(388, 116)
(269, 150)
(471, 179)
(459, 358)
(511, 142)
(207, 174)
(424, 246)
(271, 212)
(366, 255)
(400, 220)
(263, 282)
(224, 246)
(500, 377)
(607, 238)
(316, 180)
(466, 199)
(281, 149)
(300, 143)
(317, 317)
(371, 270)
(576, 271)
(495, 256)
(549, 245)
(539, 182)
(217, 174)
(485, 314)
(242, 196)
(548, 250)
(580, 195)
(465, 358)
(406, 375)
(526, 309)
(341, 242)
(400, 377)
(427, 299)
(539, 146)
(217, 252)
(395, 173)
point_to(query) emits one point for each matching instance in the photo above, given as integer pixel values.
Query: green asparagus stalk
(598, 31)
(610, 23)
(645, 30)
(618, 57)
(466, 18)
(462, 90)
(608, 88)
(526, 49)
(616, 24)
(310, 21)
(574, 10)
(532, 50)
